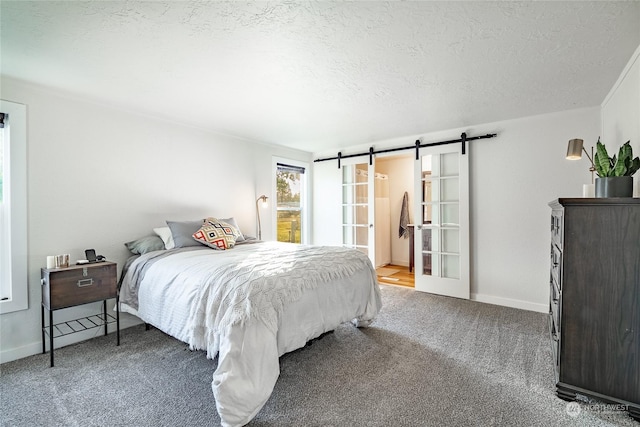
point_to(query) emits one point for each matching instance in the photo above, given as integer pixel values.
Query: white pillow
(165, 235)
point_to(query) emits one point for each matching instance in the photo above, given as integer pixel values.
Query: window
(5, 291)
(13, 207)
(291, 201)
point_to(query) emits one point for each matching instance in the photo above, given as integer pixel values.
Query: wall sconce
(574, 152)
(264, 205)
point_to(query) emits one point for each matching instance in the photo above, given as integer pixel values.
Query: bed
(249, 305)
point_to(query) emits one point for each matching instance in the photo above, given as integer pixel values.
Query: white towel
(404, 217)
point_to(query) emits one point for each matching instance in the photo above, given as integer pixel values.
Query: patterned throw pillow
(217, 234)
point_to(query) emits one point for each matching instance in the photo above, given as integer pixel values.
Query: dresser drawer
(555, 345)
(556, 227)
(555, 314)
(77, 285)
(556, 266)
(555, 289)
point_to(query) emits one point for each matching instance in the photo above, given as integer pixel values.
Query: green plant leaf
(635, 166)
(601, 160)
(620, 165)
(627, 150)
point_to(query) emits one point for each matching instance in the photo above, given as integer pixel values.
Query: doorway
(394, 176)
(438, 209)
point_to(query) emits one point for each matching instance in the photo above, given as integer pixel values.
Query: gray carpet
(426, 361)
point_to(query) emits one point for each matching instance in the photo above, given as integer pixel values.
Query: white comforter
(250, 305)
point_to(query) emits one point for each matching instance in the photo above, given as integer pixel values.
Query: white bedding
(219, 301)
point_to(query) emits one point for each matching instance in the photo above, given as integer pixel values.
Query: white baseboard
(128, 321)
(20, 352)
(513, 303)
(400, 263)
(30, 349)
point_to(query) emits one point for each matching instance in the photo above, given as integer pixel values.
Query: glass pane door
(357, 221)
(442, 221)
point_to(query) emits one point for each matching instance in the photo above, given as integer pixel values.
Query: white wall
(327, 203)
(621, 112)
(513, 178)
(99, 177)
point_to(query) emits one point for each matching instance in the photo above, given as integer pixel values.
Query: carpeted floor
(426, 361)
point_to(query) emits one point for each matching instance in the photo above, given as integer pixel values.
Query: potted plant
(615, 174)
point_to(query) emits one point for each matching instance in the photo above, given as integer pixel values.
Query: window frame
(304, 197)
(16, 197)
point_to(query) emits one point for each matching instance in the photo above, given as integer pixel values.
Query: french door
(441, 212)
(358, 230)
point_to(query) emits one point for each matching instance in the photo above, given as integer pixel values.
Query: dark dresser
(594, 301)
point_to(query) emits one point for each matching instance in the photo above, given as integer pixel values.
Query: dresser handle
(85, 282)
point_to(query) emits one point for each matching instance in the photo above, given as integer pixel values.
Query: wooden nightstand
(77, 285)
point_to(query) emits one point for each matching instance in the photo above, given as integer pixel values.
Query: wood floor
(401, 278)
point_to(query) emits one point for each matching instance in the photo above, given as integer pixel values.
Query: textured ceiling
(320, 75)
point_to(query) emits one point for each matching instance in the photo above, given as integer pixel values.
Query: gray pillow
(145, 244)
(232, 221)
(182, 232)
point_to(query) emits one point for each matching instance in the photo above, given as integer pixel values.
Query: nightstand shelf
(74, 286)
(78, 325)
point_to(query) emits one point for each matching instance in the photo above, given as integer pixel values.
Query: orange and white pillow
(217, 234)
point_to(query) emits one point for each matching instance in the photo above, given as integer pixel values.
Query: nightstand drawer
(76, 285)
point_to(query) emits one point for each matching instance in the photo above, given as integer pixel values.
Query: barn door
(442, 221)
(358, 200)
